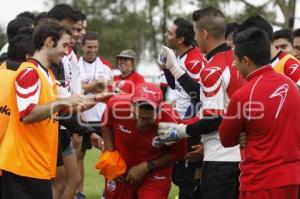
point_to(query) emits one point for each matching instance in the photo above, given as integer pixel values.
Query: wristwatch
(150, 166)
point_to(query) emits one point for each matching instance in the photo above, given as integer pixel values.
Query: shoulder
(195, 54)
(137, 76)
(168, 114)
(119, 105)
(27, 77)
(119, 100)
(105, 61)
(292, 63)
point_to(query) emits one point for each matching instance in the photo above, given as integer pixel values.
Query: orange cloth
(30, 150)
(111, 164)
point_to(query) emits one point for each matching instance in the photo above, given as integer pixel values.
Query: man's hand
(170, 132)
(120, 179)
(136, 173)
(73, 103)
(97, 141)
(196, 155)
(104, 96)
(243, 139)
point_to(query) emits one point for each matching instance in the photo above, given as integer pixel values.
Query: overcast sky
(12, 7)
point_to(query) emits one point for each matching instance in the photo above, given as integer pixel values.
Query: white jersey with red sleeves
(287, 64)
(219, 80)
(96, 70)
(192, 62)
(71, 71)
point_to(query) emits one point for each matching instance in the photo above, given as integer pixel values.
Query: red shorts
(149, 189)
(286, 192)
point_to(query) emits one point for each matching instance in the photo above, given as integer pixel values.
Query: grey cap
(127, 54)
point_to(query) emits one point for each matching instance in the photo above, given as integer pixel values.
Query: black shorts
(86, 141)
(60, 160)
(0, 187)
(220, 180)
(64, 138)
(19, 187)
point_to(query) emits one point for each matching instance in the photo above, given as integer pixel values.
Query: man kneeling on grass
(130, 134)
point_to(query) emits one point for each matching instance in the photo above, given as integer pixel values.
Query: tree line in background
(141, 24)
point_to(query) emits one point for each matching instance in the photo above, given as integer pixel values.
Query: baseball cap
(148, 92)
(127, 54)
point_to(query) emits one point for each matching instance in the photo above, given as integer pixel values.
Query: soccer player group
(234, 131)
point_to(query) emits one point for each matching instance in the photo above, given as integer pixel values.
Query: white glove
(162, 58)
(167, 59)
(171, 132)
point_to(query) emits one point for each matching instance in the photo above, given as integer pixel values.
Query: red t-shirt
(128, 83)
(135, 146)
(268, 110)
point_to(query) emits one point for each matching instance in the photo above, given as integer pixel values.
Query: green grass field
(94, 183)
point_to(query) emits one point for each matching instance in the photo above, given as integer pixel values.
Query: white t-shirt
(89, 72)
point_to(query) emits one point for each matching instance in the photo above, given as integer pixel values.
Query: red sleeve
(292, 70)
(232, 123)
(140, 80)
(106, 62)
(27, 91)
(194, 65)
(168, 114)
(179, 149)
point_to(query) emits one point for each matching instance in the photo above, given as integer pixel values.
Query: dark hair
(82, 16)
(16, 24)
(27, 14)
(259, 22)
(50, 28)
(254, 44)
(211, 19)
(90, 35)
(283, 34)
(40, 17)
(144, 105)
(230, 28)
(296, 33)
(63, 11)
(185, 30)
(21, 44)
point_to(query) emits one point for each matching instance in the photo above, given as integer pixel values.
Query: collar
(259, 71)
(276, 56)
(124, 78)
(37, 64)
(186, 52)
(90, 62)
(221, 48)
(13, 64)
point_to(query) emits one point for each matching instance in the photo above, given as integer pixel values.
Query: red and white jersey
(268, 110)
(219, 80)
(129, 83)
(287, 64)
(137, 146)
(72, 82)
(89, 72)
(28, 88)
(192, 62)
